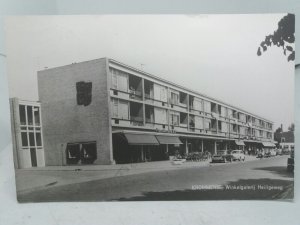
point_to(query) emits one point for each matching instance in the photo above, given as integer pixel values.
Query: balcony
(183, 99)
(136, 114)
(135, 87)
(192, 123)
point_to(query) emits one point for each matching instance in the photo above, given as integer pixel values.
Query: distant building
(103, 112)
(27, 135)
(287, 140)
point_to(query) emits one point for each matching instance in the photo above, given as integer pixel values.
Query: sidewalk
(31, 179)
(46, 177)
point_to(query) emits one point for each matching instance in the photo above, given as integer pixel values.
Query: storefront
(133, 147)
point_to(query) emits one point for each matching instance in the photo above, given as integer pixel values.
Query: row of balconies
(135, 88)
(149, 124)
(180, 122)
(179, 109)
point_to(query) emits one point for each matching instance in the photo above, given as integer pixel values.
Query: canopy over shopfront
(268, 144)
(168, 140)
(238, 142)
(141, 139)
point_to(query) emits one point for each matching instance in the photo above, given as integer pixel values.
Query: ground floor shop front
(132, 147)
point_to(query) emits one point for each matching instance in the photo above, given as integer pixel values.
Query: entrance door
(33, 157)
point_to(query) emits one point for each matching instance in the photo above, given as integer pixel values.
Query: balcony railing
(134, 94)
(148, 120)
(136, 120)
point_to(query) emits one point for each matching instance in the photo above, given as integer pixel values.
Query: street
(257, 179)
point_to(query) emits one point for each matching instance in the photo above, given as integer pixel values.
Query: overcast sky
(212, 54)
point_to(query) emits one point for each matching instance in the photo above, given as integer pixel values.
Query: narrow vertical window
(22, 113)
(29, 115)
(24, 139)
(38, 139)
(37, 118)
(31, 139)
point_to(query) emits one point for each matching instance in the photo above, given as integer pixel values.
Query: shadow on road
(136, 189)
(263, 190)
(278, 170)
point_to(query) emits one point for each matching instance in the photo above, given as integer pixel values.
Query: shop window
(73, 153)
(88, 153)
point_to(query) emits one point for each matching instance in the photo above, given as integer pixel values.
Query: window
(219, 125)
(224, 127)
(198, 122)
(114, 79)
(22, 113)
(174, 118)
(120, 109)
(207, 107)
(197, 104)
(163, 95)
(115, 108)
(174, 98)
(24, 139)
(123, 109)
(160, 115)
(207, 124)
(183, 118)
(29, 115)
(219, 109)
(31, 139)
(223, 111)
(120, 80)
(38, 139)
(36, 111)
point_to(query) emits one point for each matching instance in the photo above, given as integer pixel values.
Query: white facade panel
(199, 122)
(160, 116)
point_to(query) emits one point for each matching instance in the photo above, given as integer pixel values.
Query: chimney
(281, 127)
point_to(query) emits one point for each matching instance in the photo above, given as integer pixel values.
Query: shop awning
(168, 140)
(268, 144)
(141, 139)
(238, 142)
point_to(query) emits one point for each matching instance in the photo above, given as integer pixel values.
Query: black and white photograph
(152, 107)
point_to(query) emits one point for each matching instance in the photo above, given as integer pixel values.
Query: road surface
(259, 179)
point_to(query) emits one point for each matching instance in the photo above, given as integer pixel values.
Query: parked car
(221, 156)
(278, 151)
(285, 151)
(290, 162)
(260, 155)
(237, 155)
(273, 152)
(267, 154)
